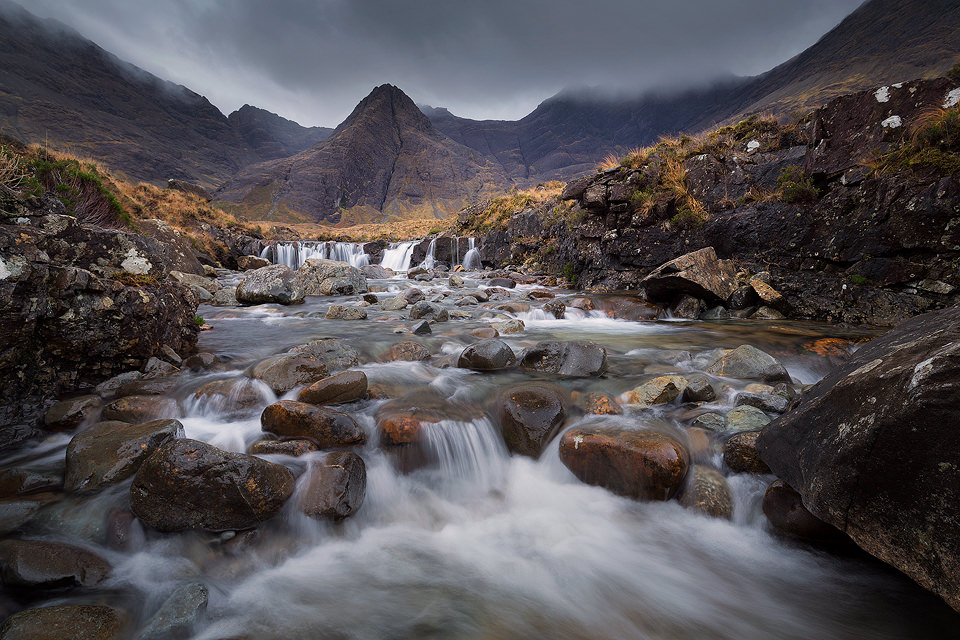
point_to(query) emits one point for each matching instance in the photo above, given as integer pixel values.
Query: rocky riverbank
(852, 210)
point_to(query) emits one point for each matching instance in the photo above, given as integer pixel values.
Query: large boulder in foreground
(699, 274)
(277, 283)
(530, 414)
(639, 464)
(874, 449)
(188, 484)
(319, 277)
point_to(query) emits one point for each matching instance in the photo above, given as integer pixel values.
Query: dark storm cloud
(313, 60)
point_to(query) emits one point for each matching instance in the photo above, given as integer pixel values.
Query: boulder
(108, 388)
(639, 464)
(187, 484)
(698, 389)
(412, 295)
(530, 414)
(699, 274)
(157, 368)
(336, 486)
(506, 283)
(375, 271)
(15, 481)
(341, 312)
(745, 418)
(408, 351)
(422, 328)
(178, 615)
(67, 415)
(508, 327)
(741, 454)
(688, 308)
(555, 308)
(319, 277)
(65, 622)
(199, 361)
(430, 310)
(602, 404)
(707, 491)
(325, 427)
(396, 303)
(250, 263)
(334, 353)
(710, 421)
(231, 397)
(623, 308)
(139, 409)
(340, 388)
(873, 449)
(487, 355)
(32, 564)
(749, 363)
(109, 452)
(274, 284)
(786, 513)
(19, 510)
(455, 281)
(769, 296)
(198, 281)
(660, 390)
(575, 358)
(770, 402)
(286, 371)
(149, 387)
(226, 297)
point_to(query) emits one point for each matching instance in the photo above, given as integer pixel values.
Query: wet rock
(506, 283)
(767, 313)
(108, 388)
(197, 281)
(325, 427)
(744, 297)
(139, 409)
(320, 277)
(710, 421)
(660, 390)
(530, 414)
(67, 415)
(121, 529)
(512, 307)
(394, 304)
(109, 452)
(336, 486)
(584, 304)
(602, 404)
(341, 312)
(699, 274)
(178, 615)
(689, 308)
(21, 481)
(187, 484)
(286, 371)
(149, 387)
(577, 358)
(157, 368)
(487, 355)
(334, 353)
(65, 622)
(747, 362)
(745, 418)
(698, 389)
(485, 333)
(32, 564)
(232, 397)
(638, 464)
(340, 388)
(294, 448)
(407, 351)
(769, 402)
(707, 491)
(701, 444)
(19, 510)
(769, 296)
(785, 511)
(430, 310)
(466, 301)
(455, 281)
(508, 327)
(555, 308)
(715, 313)
(633, 309)
(375, 271)
(412, 295)
(200, 361)
(740, 453)
(249, 263)
(274, 284)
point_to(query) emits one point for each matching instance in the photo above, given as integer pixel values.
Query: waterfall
(294, 254)
(431, 258)
(468, 451)
(471, 261)
(398, 255)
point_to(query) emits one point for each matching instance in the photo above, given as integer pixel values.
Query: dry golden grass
(12, 172)
(494, 213)
(388, 231)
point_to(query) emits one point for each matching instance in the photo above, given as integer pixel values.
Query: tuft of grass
(858, 279)
(933, 145)
(135, 280)
(795, 187)
(495, 213)
(197, 320)
(570, 273)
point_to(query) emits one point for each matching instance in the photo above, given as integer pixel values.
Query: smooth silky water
(486, 545)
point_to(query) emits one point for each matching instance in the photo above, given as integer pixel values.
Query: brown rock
(699, 274)
(336, 486)
(602, 404)
(740, 453)
(660, 390)
(408, 351)
(325, 427)
(248, 263)
(140, 409)
(32, 564)
(67, 415)
(65, 622)
(785, 511)
(340, 388)
(294, 448)
(530, 414)
(707, 491)
(638, 464)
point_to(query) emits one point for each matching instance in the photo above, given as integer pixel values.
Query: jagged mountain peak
(387, 102)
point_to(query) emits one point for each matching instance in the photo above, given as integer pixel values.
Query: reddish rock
(325, 427)
(407, 351)
(347, 386)
(294, 448)
(740, 453)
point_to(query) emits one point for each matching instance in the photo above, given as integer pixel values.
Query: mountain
(386, 160)
(271, 136)
(59, 89)
(883, 41)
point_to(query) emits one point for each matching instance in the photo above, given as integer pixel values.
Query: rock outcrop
(874, 450)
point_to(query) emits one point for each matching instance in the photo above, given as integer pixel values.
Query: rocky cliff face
(385, 158)
(844, 243)
(78, 304)
(271, 136)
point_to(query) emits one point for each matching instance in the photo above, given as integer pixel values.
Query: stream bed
(484, 544)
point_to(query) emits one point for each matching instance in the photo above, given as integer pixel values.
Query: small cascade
(471, 261)
(398, 255)
(431, 258)
(294, 254)
(471, 451)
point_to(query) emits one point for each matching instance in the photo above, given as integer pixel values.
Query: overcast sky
(313, 60)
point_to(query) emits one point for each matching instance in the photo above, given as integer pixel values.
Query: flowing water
(294, 254)
(482, 544)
